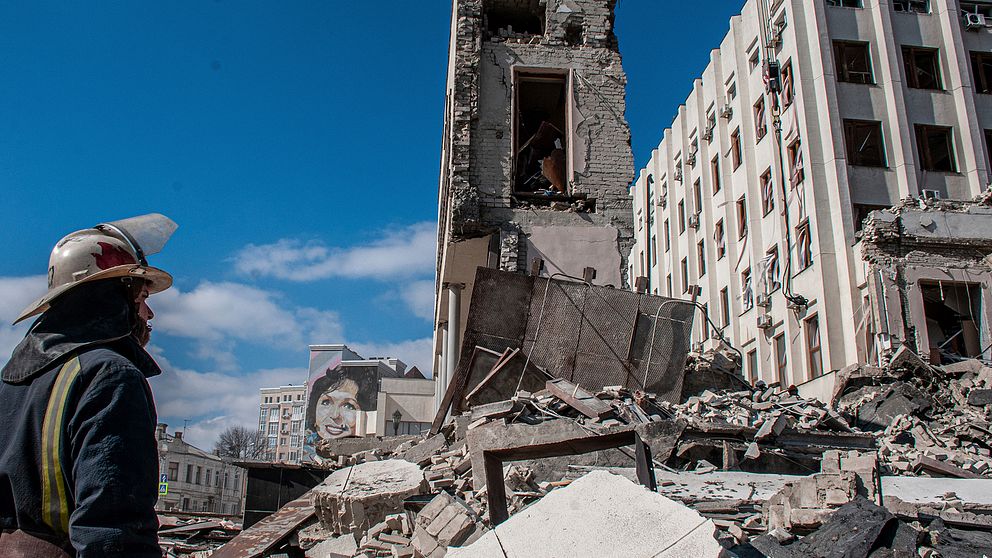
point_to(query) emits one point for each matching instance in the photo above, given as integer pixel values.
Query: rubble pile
(194, 536)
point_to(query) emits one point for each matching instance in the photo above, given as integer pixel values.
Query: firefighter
(78, 456)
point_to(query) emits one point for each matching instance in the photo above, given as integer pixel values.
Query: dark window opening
(760, 128)
(681, 216)
(752, 366)
(767, 193)
(573, 32)
(864, 143)
(540, 140)
(715, 169)
(701, 257)
(981, 67)
(725, 306)
(797, 171)
(685, 275)
(953, 314)
(845, 3)
(721, 245)
(503, 18)
(735, 148)
(853, 62)
(781, 361)
(747, 291)
(813, 347)
(922, 67)
(861, 211)
(788, 86)
(936, 148)
(912, 6)
(977, 8)
(804, 248)
(741, 217)
(988, 147)
(772, 281)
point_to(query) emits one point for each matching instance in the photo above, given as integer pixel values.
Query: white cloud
(401, 253)
(15, 294)
(213, 312)
(419, 298)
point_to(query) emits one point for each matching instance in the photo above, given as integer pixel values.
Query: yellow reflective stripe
(55, 513)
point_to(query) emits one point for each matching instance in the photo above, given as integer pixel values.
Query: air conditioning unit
(708, 133)
(764, 321)
(931, 195)
(694, 221)
(691, 159)
(973, 22)
(678, 173)
(763, 300)
(727, 112)
(663, 200)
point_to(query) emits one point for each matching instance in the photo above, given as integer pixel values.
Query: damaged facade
(536, 152)
(810, 116)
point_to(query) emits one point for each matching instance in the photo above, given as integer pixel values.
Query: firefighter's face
(143, 329)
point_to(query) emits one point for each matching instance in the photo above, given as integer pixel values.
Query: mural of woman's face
(337, 411)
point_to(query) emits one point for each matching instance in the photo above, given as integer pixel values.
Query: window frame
(701, 256)
(982, 80)
(842, 64)
(736, 157)
(814, 352)
(760, 127)
(924, 147)
(912, 70)
(747, 290)
(804, 249)
(767, 185)
(797, 166)
(719, 237)
(851, 126)
(741, 206)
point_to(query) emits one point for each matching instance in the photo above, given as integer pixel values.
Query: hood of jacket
(87, 316)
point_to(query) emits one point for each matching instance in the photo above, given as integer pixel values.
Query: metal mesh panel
(556, 321)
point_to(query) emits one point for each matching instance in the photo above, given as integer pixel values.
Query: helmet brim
(158, 281)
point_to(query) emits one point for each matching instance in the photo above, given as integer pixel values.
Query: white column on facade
(454, 326)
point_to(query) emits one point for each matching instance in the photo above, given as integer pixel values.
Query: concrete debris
(445, 521)
(599, 515)
(355, 498)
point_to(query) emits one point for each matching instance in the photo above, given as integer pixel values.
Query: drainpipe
(454, 323)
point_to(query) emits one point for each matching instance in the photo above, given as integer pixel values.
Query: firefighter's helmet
(108, 250)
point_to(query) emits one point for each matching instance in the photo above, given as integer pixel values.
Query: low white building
(192, 480)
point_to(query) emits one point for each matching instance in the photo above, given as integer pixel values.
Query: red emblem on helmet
(112, 256)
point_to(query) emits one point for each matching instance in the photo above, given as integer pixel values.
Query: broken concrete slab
(445, 521)
(599, 515)
(926, 490)
(980, 397)
(337, 547)
(421, 453)
(853, 531)
(900, 399)
(355, 498)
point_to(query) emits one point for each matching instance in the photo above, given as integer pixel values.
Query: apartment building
(535, 156)
(193, 480)
(811, 116)
(280, 419)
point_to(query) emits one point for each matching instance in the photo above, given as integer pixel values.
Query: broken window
(788, 87)
(936, 148)
(797, 170)
(540, 140)
(747, 291)
(804, 251)
(864, 143)
(668, 236)
(755, 59)
(861, 211)
(685, 275)
(721, 246)
(725, 306)
(573, 31)
(767, 193)
(735, 148)
(752, 366)
(781, 361)
(770, 263)
(922, 67)
(697, 192)
(853, 62)
(715, 169)
(741, 217)
(978, 8)
(845, 3)
(953, 314)
(654, 250)
(981, 68)
(912, 6)
(813, 347)
(760, 128)
(701, 257)
(681, 216)
(668, 281)
(508, 18)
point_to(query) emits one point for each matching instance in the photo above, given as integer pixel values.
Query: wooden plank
(580, 399)
(944, 469)
(269, 532)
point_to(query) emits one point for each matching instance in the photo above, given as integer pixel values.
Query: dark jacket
(78, 457)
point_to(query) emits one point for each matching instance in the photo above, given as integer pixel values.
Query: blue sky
(297, 146)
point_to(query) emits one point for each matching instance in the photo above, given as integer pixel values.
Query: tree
(241, 442)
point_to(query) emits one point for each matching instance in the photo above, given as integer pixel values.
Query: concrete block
(354, 498)
(599, 515)
(338, 547)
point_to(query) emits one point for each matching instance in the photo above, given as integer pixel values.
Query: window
(853, 62)
(640, 220)
(747, 292)
(225, 480)
(864, 143)
(697, 192)
(988, 146)
(772, 282)
(685, 275)
(922, 67)
(797, 171)
(273, 427)
(715, 170)
(845, 3)
(741, 217)
(668, 280)
(980, 8)
(781, 361)
(701, 257)
(668, 236)
(272, 442)
(767, 193)
(199, 474)
(718, 234)
(912, 6)
(936, 148)
(760, 128)
(710, 126)
(189, 473)
(752, 365)
(681, 216)
(539, 142)
(173, 471)
(693, 150)
(263, 415)
(207, 479)
(981, 67)
(804, 251)
(788, 87)
(813, 347)
(735, 148)
(731, 91)
(861, 212)
(755, 59)
(725, 306)
(654, 250)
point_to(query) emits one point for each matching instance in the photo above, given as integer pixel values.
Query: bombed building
(536, 155)
(809, 117)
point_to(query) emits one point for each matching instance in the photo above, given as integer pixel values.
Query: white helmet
(115, 249)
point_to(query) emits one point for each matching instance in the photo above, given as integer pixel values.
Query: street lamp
(396, 422)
